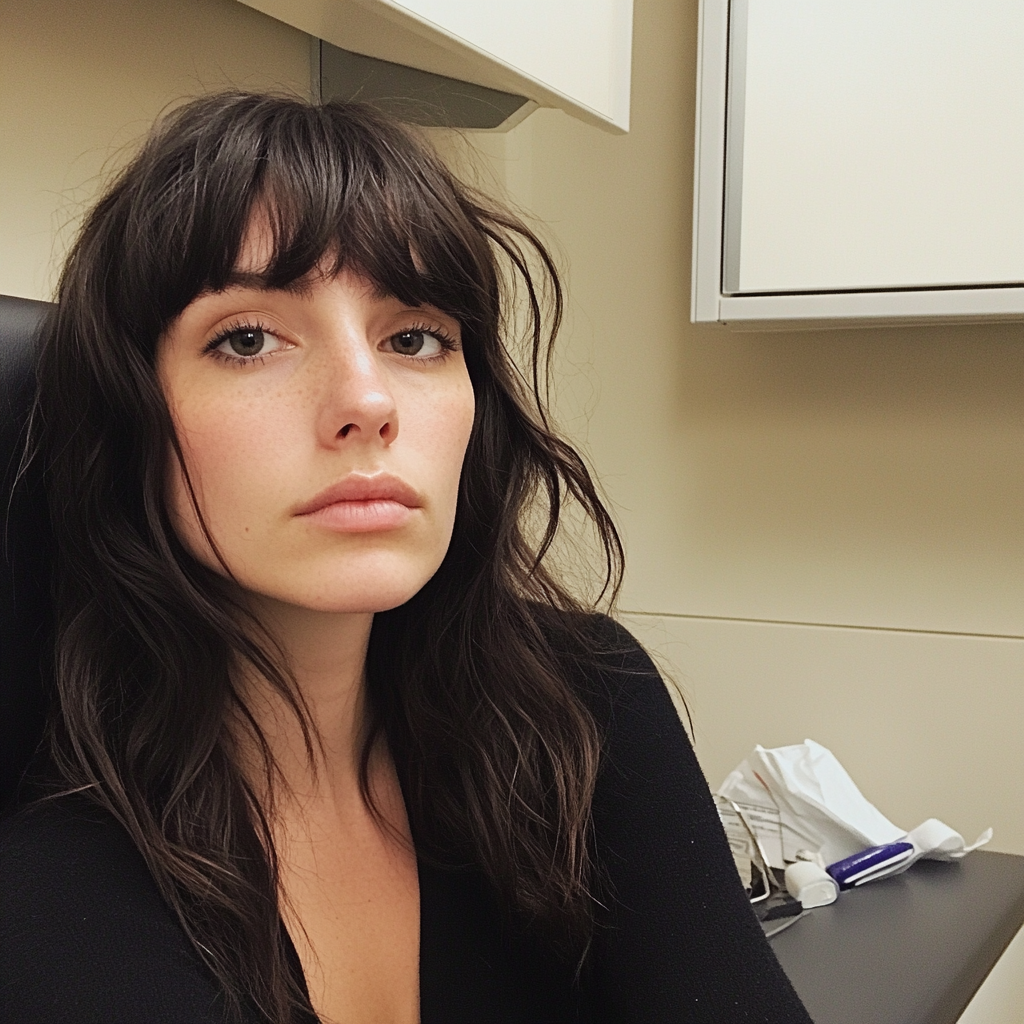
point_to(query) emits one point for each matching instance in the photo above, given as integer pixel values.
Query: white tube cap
(811, 885)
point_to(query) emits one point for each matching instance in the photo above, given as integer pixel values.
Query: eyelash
(447, 342)
(222, 336)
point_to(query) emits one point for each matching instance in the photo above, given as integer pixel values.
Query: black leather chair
(25, 553)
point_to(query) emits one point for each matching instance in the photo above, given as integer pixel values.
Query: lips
(363, 503)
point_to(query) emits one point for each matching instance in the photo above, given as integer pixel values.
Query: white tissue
(935, 840)
(821, 809)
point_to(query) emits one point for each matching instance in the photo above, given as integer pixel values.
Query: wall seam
(822, 625)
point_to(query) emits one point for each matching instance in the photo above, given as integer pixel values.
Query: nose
(357, 403)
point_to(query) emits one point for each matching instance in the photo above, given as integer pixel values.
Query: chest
(352, 905)
(463, 962)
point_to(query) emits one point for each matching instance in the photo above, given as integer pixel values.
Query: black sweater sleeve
(84, 936)
(679, 941)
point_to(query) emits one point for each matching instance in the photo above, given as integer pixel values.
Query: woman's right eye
(246, 343)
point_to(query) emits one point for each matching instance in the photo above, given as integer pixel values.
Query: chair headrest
(20, 320)
(25, 549)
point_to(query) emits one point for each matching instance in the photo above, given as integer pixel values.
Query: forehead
(258, 244)
(255, 256)
(283, 247)
(259, 249)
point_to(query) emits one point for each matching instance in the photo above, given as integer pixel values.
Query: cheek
(450, 434)
(433, 435)
(463, 417)
(230, 451)
(182, 511)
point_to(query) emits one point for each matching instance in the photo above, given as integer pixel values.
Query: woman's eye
(416, 343)
(249, 341)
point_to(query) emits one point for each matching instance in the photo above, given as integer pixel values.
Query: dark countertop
(908, 950)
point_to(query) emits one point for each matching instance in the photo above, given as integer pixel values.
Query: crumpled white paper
(819, 808)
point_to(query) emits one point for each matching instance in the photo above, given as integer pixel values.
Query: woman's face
(324, 430)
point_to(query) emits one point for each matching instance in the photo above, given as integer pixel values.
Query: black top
(85, 936)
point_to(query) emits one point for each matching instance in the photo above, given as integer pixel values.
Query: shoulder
(677, 939)
(612, 673)
(646, 753)
(84, 933)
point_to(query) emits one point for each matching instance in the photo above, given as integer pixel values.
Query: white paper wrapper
(818, 807)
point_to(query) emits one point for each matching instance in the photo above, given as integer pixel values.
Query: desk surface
(908, 950)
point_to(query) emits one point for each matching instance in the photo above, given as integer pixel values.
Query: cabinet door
(570, 54)
(874, 145)
(579, 48)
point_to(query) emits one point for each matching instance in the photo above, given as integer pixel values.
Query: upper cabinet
(569, 54)
(859, 161)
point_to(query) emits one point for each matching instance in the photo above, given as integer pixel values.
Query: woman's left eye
(418, 342)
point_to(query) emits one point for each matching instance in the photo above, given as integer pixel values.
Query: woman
(330, 740)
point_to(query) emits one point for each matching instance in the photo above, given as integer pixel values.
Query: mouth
(362, 503)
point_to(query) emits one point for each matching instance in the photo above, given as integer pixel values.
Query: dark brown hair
(467, 682)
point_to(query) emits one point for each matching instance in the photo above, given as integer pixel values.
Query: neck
(326, 655)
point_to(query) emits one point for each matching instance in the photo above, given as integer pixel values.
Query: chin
(369, 586)
(368, 601)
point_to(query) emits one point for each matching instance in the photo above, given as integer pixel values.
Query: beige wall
(825, 529)
(80, 81)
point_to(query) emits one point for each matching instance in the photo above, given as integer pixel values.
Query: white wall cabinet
(570, 54)
(859, 161)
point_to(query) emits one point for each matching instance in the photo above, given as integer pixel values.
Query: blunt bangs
(340, 187)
